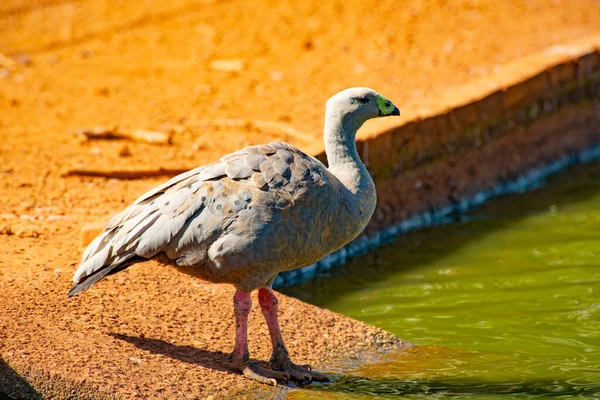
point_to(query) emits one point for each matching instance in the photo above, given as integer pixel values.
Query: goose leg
(280, 359)
(240, 358)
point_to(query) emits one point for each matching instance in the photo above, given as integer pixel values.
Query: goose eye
(363, 100)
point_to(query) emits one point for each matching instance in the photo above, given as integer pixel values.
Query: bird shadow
(216, 360)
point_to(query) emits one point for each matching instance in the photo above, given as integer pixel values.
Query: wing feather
(195, 209)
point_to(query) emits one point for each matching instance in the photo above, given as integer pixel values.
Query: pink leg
(280, 359)
(242, 303)
(270, 308)
(240, 358)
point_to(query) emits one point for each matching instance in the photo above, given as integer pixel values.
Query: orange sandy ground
(145, 64)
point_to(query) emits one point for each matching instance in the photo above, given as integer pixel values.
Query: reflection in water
(396, 387)
(504, 300)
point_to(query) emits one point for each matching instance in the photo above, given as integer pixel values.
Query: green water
(503, 302)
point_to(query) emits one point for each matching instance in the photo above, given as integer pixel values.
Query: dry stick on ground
(114, 133)
(125, 174)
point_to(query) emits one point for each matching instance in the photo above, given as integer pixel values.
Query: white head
(357, 105)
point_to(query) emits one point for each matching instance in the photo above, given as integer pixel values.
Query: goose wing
(197, 207)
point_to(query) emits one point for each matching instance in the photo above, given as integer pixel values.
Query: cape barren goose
(242, 220)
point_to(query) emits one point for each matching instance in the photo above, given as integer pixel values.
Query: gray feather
(238, 169)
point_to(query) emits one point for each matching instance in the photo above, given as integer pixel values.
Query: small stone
(102, 91)
(124, 151)
(203, 89)
(448, 47)
(28, 232)
(84, 54)
(276, 76)
(359, 69)
(54, 59)
(7, 62)
(200, 144)
(232, 65)
(23, 59)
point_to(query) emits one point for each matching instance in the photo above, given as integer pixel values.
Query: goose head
(359, 104)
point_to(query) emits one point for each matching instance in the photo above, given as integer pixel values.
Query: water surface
(505, 301)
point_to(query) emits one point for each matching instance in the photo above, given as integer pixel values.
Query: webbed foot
(258, 373)
(280, 361)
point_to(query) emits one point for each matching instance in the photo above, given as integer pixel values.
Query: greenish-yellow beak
(386, 107)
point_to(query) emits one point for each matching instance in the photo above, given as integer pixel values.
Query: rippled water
(504, 301)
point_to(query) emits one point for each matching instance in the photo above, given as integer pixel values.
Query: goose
(242, 220)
